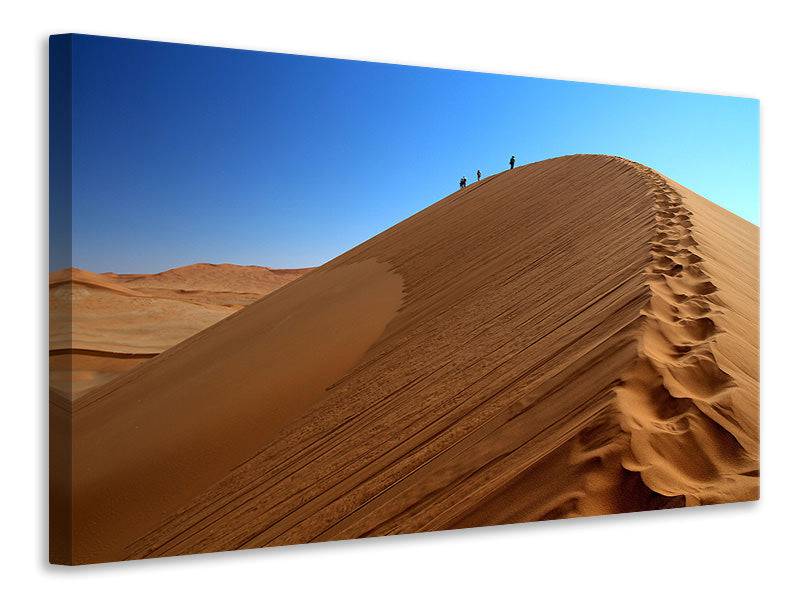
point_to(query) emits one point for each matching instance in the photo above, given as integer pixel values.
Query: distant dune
(574, 337)
(105, 324)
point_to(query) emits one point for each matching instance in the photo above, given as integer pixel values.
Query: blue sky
(186, 154)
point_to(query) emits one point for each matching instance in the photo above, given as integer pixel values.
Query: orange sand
(574, 337)
(102, 325)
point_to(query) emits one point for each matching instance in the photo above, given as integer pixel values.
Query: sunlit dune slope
(574, 337)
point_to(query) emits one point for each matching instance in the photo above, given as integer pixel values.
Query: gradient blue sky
(186, 154)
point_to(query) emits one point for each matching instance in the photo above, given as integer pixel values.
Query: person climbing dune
(479, 174)
(462, 183)
(512, 161)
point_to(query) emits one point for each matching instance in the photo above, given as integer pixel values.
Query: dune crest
(677, 400)
(577, 336)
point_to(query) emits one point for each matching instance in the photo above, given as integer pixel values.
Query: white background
(747, 49)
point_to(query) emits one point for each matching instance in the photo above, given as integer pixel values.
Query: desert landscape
(573, 337)
(102, 325)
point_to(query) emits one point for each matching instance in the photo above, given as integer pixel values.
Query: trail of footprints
(673, 401)
(681, 312)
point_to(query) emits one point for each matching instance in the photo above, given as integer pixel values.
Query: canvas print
(299, 299)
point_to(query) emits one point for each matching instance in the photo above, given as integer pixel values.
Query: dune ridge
(576, 337)
(678, 400)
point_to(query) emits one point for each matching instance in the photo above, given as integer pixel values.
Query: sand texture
(102, 325)
(577, 336)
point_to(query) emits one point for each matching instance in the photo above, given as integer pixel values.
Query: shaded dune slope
(574, 337)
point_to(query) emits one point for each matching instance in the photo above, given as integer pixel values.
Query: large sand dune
(102, 325)
(574, 337)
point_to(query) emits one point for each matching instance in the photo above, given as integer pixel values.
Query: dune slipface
(574, 337)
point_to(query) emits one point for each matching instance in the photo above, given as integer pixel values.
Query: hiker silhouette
(479, 174)
(512, 161)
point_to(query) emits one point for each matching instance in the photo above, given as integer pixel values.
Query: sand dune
(574, 337)
(105, 324)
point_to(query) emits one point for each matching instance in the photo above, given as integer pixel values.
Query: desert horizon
(104, 324)
(573, 337)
